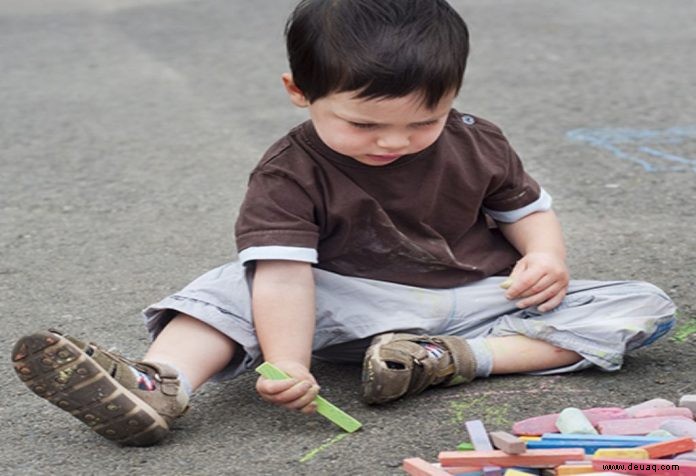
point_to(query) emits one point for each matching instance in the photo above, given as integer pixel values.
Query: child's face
(374, 131)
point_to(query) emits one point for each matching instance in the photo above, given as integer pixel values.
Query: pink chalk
(537, 426)
(648, 467)
(654, 403)
(635, 426)
(667, 411)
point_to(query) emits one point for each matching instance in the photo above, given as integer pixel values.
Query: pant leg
(349, 311)
(220, 298)
(601, 321)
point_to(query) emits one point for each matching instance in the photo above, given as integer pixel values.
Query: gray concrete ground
(127, 129)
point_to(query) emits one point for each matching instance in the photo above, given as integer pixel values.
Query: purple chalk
(680, 427)
(690, 456)
(688, 401)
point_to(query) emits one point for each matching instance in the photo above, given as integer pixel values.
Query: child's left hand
(539, 279)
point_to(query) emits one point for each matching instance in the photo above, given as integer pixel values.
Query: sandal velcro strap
(166, 376)
(462, 360)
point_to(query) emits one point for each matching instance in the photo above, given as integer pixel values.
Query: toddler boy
(380, 231)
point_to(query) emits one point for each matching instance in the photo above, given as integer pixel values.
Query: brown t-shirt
(419, 220)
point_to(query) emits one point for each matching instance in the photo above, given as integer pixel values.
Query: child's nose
(393, 141)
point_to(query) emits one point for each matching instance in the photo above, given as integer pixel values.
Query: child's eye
(426, 124)
(361, 125)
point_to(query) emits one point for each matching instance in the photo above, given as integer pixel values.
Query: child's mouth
(384, 158)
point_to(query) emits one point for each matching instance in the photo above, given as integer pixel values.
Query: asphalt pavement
(127, 132)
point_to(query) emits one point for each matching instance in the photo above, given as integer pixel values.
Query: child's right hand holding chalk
(295, 393)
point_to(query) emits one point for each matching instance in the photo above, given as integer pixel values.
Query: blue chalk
(641, 439)
(591, 443)
(589, 446)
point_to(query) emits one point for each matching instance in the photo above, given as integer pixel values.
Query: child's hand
(539, 279)
(296, 393)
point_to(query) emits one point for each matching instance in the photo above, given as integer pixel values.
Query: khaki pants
(601, 321)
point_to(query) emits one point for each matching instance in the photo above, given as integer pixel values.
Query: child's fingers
(540, 286)
(523, 282)
(294, 397)
(545, 298)
(310, 408)
(304, 400)
(553, 303)
(267, 387)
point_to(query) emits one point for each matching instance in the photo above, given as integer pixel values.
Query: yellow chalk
(623, 453)
(514, 472)
(570, 469)
(529, 438)
(506, 284)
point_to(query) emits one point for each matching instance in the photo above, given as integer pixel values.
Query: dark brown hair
(378, 48)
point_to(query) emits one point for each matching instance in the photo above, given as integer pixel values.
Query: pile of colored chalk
(655, 437)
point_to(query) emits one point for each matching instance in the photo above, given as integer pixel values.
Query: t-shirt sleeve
(512, 193)
(276, 220)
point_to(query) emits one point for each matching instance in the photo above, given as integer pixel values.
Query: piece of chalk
(690, 456)
(507, 442)
(680, 427)
(654, 403)
(539, 425)
(478, 435)
(324, 408)
(420, 467)
(465, 446)
(660, 433)
(589, 446)
(461, 470)
(668, 411)
(571, 469)
(638, 440)
(625, 453)
(573, 421)
(479, 438)
(506, 284)
(649, 467)
(636, 426)
(670, 447)
(688, 401)
(537, 458)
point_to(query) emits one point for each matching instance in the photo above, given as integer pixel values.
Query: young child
(380, 231)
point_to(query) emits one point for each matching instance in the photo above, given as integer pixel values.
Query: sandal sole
(56, 370)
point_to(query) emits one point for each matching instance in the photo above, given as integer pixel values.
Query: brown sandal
(99, 387)
(397, 364)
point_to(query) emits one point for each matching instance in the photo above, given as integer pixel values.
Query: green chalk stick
(324, 408)
(465, 446)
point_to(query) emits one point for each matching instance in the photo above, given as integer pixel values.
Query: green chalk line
(322, 447)
(684, 331)
(324, 408)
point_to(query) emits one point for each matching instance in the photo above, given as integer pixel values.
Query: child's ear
(296, 96)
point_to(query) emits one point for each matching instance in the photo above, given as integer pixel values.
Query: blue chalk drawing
(646, 147)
